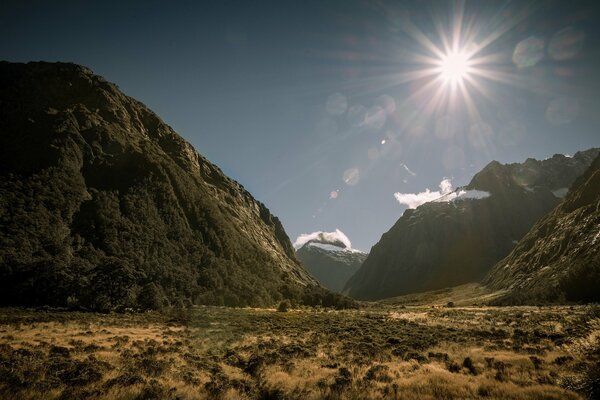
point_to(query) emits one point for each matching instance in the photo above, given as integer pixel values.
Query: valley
(133, 267)
(378, 351)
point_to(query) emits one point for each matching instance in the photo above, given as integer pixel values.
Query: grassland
(383, 351)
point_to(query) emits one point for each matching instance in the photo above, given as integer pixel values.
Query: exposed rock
(100, 198)
(332, 266)
(559, 258)
(446, 243)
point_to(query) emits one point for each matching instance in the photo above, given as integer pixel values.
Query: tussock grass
(387, 352)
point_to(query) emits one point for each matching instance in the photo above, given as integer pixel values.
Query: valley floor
(391, 352)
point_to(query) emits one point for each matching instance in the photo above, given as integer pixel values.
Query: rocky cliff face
(559, 258)
(455, 241)
(332, 266)
(103, 205)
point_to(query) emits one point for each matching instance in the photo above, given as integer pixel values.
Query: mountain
(331, 265)
(458, 238)
(104, 206)
(559, 258)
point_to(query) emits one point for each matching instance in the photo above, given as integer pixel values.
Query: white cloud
(414, 200)
(337, 238)
(445, 194)
(445, 186)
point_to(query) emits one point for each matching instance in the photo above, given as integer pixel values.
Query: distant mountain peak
(331, 265)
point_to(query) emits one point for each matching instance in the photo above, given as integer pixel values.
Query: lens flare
(455, 67)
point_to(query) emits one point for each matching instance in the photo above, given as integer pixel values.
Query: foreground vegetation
(392, 352)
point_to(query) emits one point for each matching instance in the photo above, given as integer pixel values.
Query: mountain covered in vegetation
(458, 238)
(104, 206)
(559, 258)
(331, 265)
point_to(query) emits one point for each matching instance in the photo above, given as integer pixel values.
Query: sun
(454, 67)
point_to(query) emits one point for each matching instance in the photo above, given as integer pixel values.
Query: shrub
(284, 306)
(378, 373)
(150, 297)
(501, 373)
(342, 381)
(536, 361)
(453, 367)
(468, 364)
(154, 391)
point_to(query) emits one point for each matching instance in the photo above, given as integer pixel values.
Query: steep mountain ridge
(559, 258)
(332, 266)
(447, 243)
(104, 205)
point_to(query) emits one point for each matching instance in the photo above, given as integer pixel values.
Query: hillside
(559, 258)
(104, 206)
(332, 266)
(458, 239)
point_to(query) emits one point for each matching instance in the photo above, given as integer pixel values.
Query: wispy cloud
(445, 194)
(337, 238)
(408, 170)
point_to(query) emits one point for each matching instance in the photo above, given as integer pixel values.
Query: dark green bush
(284, 306)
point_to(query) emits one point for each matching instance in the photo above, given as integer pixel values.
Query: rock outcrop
(559, 258)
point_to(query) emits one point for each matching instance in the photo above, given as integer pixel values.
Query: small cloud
(408, 170)
(445, 186)
(337, 238)
(414, 200)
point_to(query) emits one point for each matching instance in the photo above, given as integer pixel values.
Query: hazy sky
(324, 110)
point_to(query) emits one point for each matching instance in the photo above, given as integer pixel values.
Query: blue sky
(314, 106)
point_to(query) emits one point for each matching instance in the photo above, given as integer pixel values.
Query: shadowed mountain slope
(458, 238)
(559, 258)
(332, 266)
(103, 205)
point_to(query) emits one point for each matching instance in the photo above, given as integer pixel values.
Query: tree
(150, 297)
(114, 285)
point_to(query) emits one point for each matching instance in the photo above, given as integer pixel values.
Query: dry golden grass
(383, 352)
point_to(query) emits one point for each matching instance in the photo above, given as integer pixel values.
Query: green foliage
(151, 297)
(114, 285)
